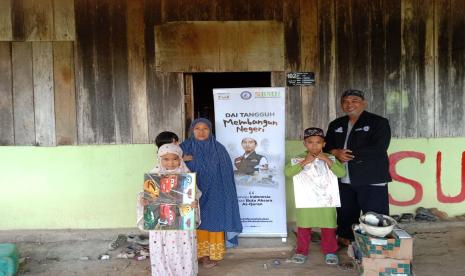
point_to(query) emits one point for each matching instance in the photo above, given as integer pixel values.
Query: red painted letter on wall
(441, 196)
(393, 159)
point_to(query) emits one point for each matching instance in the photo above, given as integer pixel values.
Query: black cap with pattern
(314, 131)
(353, 92)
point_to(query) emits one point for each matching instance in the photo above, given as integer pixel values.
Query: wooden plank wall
(137, 77)
(37, 72)
(449, 72)
(84, 71)
(164, 100)
(44, 104)
(6, 30)
(325, 44)
(292, 62)
(391, 49)
(23, 96)
(65, 95)
(226, 46)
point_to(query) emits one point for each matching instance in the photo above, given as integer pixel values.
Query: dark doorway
(203, 84)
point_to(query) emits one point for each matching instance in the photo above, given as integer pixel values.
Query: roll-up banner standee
(250, 123)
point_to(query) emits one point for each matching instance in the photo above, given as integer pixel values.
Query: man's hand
(343, 155)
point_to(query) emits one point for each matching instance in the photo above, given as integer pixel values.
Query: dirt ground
(439, 249)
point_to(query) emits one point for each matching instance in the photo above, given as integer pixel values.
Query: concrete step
(266, 247)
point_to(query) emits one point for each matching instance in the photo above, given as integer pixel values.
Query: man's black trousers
(359, 198)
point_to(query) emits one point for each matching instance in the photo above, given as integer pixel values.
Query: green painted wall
(96, 186)
(71, 186)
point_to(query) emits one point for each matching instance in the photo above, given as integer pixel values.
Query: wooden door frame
(188, 102)
(278, 79)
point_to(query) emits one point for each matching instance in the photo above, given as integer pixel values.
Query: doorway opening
(202, 90)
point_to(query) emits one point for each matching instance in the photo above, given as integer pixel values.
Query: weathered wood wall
(85, 71)
(219, 46)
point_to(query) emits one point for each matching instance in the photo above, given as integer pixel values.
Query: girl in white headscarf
(172, 252)
(168, 153)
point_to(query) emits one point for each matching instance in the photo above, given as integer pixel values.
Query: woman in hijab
(218, 204)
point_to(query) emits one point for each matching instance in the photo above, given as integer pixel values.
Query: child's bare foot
(206, 262)
(202, 259)
(210, 264)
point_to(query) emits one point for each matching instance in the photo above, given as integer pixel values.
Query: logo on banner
(246, 95)
(223, 96)
(267, 94)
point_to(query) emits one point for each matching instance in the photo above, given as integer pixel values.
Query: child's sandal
(299, 259)
(331, 259)
(138, 239)
(117, 242)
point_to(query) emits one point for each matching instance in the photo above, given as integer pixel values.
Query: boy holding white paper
(315, 175)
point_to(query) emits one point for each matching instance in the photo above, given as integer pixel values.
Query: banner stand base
(274, 246)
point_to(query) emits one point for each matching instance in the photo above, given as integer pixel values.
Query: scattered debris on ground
(439, 248)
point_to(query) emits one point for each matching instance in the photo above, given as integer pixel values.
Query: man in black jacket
(360, 140)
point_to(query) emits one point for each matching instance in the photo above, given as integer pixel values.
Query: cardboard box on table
(391, 255)
(168, 201)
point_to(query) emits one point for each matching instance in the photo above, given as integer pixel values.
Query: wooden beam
(188, 102)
